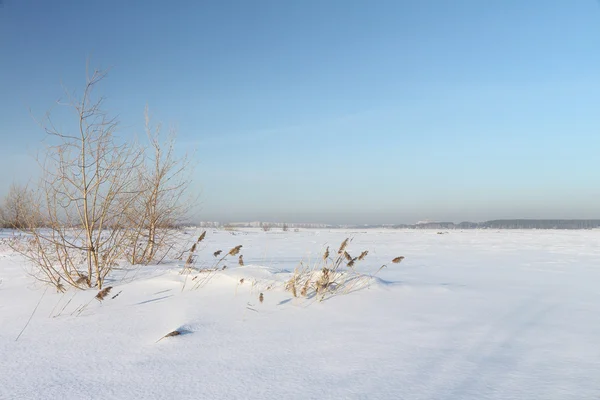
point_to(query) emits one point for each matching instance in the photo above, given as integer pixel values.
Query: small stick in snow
(116, 295)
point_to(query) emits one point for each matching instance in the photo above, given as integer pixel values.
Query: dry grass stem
(305, 287)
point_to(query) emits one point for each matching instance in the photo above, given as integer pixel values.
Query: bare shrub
(265, 226)
(87, 185)
(162, 183)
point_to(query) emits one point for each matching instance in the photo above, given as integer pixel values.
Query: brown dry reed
(343, 246)
(235, 250)
(170, 334)
(326, 255)
(103, 293)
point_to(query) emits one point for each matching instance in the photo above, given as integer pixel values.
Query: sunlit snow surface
(466, 315)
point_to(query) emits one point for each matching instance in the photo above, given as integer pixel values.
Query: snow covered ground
(467, 315)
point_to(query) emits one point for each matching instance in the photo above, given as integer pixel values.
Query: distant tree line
(510, 224)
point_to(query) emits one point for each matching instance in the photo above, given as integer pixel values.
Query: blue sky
(332, 110)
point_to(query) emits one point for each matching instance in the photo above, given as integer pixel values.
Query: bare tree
(88, 182)
(163, 182)
(17, 207)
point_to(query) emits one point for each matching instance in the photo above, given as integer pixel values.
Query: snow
(467, 315)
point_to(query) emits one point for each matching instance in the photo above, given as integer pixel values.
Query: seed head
(235, 250)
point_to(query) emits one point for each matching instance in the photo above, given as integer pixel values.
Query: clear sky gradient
(332, 110)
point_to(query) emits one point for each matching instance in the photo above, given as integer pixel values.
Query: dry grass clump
(331, 276)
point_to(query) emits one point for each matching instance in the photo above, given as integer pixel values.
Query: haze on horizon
(334, 112)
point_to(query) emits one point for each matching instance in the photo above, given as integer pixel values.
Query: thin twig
(31, 316)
